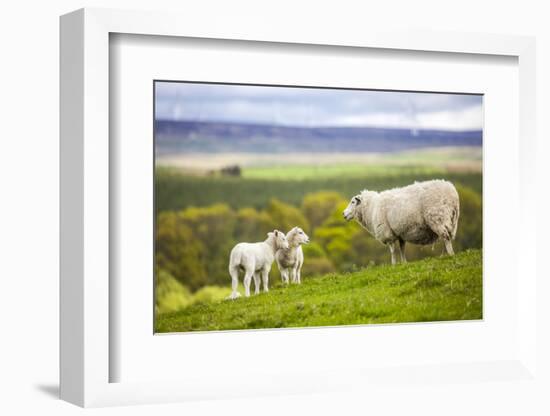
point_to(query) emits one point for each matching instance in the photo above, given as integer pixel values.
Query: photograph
(298, 206)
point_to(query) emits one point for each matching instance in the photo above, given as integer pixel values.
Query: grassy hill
(434, 289)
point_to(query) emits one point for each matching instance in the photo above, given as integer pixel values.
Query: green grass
(434, 289)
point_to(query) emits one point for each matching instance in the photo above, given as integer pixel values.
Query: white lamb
(254, 259)
(290, 260)
(421, 213)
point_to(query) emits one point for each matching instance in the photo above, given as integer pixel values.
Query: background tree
(316, 261)
(214, 227)
(170, 295)
(318, 206)
(286, 216)
(253, 225)
(335, 236)
(178, 251)
(470, 223)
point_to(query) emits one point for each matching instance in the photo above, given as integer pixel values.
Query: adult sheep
(290, 260)
(254, 259)
(421, 213)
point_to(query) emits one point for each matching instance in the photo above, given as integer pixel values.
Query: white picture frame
(85, 211)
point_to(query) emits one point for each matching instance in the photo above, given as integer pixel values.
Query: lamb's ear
(276, 233)
(269, 234)
(357, 199)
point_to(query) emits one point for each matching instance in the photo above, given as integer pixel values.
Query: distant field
(175, 190)
(194, 180)
(435, 289)
(316, 165)
(300, 172)
(422, 162)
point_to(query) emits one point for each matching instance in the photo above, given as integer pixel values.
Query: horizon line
(332, 126)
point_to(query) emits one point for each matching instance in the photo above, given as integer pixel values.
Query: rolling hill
(434, 289)
(217, 137)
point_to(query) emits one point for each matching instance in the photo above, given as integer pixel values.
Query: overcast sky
(316, 107)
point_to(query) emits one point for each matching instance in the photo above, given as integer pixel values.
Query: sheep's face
(351, 210)
(297, 236)
(280, 239)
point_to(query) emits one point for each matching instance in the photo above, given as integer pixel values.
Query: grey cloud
(312, 106)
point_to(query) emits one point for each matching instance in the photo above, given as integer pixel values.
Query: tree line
(193, 244)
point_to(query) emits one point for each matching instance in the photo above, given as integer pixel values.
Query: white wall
(29, 171)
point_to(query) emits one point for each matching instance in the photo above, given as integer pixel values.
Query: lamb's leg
(402, 251)
(265, 279)
(234, 272)
(247, 280)
(256, 283)
(392, 252)
(293, 275)
(299, 270)
(284, 275)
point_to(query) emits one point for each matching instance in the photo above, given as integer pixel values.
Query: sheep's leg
(256, 283)
(398, 253)
(234, 272)
(392, 252)
(402, 251)
(265, 279)
(444, 234)
(449, 247)
(247, 280)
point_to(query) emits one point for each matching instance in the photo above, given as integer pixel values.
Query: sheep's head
(352, 209)
(279, 238)
(297, 236)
